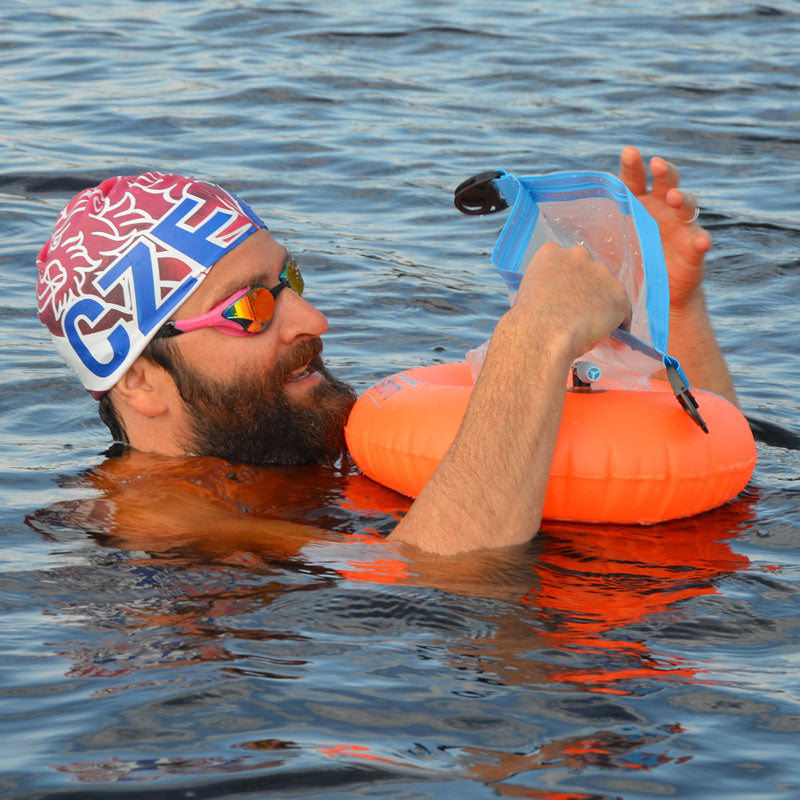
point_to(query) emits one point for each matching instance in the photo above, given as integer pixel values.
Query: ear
(145, 389)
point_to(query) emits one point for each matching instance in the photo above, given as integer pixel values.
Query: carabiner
(685, 397)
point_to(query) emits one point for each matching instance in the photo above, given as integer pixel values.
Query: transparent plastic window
(576, 213)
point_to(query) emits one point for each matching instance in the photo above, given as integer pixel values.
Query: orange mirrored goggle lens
(254, 310)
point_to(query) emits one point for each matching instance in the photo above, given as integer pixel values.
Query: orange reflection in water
(590, 585)
(590, 582)
(594, 580)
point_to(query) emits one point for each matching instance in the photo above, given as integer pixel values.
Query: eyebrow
(229, 289)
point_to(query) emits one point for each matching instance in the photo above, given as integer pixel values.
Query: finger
(632, 171)
(666, 176)
(683, 205)
(686, 210)
(702, 240)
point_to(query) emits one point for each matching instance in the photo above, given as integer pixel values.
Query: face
(265, 398)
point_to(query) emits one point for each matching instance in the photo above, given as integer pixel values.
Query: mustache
(305, 352)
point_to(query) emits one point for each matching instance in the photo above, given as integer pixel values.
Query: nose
(297, 317)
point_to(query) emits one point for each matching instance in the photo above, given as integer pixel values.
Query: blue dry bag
(598, 211)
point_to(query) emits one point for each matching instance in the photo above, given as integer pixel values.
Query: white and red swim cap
(123, 257)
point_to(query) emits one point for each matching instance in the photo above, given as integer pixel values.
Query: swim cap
(123, 257)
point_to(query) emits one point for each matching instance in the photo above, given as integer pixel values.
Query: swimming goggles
(245, 312)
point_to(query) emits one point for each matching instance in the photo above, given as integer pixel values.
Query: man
(184, 316)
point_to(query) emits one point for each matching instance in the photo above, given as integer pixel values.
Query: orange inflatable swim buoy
(621, 456)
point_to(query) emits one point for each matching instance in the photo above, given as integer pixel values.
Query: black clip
(479, 195)
(685, 397)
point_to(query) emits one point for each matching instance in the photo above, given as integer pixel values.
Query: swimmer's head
(123, 257)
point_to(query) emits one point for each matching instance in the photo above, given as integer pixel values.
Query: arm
(489, 489)
(691, 335)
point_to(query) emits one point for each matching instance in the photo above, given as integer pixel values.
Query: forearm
(489, 489)
(693, 342)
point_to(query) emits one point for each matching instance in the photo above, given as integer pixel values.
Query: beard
(253, 419)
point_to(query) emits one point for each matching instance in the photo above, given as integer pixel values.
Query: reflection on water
(590, 586)
(223, 586)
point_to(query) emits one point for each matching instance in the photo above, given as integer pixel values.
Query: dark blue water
(277, 646)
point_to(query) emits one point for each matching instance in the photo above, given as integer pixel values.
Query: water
(273, 644)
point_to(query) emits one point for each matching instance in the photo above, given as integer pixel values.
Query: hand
(691, 335)
(572, 295)
(685, 242)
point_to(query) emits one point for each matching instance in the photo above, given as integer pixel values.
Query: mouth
(313, 368)
(305, 364)
(300, 374)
